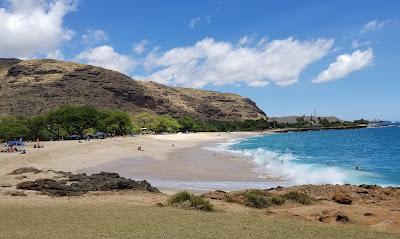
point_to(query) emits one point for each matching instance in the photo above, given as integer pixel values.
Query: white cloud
(29, 27)
(194, 22)
(105, 56)
(358, 44)
(140, 47)
(373, 25)
(56, 54)
(346, 64)
(220, 63)
(94, 37)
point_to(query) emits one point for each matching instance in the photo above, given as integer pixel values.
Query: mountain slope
(36, 86)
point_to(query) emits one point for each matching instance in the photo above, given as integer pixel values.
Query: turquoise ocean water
(324, 157)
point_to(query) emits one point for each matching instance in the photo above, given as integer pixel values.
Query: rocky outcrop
(78, 184)
(37, 86)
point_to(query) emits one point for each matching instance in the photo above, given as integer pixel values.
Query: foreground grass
(78, 220)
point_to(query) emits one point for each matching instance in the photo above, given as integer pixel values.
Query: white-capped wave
(286, 167)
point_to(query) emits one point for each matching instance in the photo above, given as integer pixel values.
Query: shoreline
(175, 157)
(374, 208)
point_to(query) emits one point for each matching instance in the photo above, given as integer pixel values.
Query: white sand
(164, 157)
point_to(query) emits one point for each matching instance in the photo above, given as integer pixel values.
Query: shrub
(278, 200)
(192, 201)
(299, 197)
(229, 198)
(258, 192)
(257, 200)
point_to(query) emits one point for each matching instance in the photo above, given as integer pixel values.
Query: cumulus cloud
(346, 64)
(194, 22)
(105, 56)
(219, 63)
(373, 25)
(56, 54)
(94, 37)
(140, 47)
(29, 27)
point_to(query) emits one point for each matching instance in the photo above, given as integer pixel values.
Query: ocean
(355, 156)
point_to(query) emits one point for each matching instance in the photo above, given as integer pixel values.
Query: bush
(192, 201)
(278, 200)
(229, 198)
(299, 197)
(257, 199)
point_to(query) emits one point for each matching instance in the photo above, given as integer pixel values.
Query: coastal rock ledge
(78, 184)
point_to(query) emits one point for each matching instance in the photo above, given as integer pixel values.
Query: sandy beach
(172, 158)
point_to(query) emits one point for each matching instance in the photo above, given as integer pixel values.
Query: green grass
(299, 197)
(257, 200)
(69, 220)
(190, 201)
(277, 200)
(262, 199)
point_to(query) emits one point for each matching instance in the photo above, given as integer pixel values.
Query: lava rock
(342, 198)
(341, 217)
(25, 170)
(78, 184)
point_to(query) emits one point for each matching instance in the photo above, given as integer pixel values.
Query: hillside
(36, 86)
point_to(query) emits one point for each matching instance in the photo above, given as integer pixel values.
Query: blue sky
(340, 57)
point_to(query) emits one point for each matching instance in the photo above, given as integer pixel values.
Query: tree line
(81, 120)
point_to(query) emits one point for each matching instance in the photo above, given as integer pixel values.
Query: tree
(73, 119)
(37, 127)
(187, 124)
(146, 120)
(167, 124)
(115, 121)
(12, 128)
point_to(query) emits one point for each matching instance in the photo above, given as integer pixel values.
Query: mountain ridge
(29, 87)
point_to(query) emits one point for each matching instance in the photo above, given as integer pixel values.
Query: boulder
(341, 217)
(342, 198)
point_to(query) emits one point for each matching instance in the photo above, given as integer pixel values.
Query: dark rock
(16, 193)
(5, 185)
(367, 214)
(25, 170)
(342, 198)
(217, 195)
(367, 186)
(21, 177)
(341, 217)
(79, 184)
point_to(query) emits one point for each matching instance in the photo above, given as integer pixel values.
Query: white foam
(285, 166)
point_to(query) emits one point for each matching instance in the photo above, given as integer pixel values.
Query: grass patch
(187, 200)
(299, 197)
(264, 199)
(257, 201)
(278, 200)
(73, 219)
